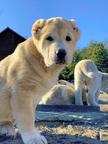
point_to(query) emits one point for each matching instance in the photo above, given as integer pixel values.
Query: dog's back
(86, 69)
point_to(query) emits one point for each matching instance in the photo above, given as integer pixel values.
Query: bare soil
(84, 128)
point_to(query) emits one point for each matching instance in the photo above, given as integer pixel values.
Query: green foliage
(97, 51)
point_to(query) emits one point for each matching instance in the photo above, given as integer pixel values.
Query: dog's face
(55, 40)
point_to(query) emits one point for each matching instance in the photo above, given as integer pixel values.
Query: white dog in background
(59, 94)
(33, 68)
(87, 73)
(62, 93)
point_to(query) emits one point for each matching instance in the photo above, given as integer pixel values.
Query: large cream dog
(62, 93)
(32, 70)
(59, 94)
(86, 73)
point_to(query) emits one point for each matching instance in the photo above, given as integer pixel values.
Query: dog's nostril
(61, 53)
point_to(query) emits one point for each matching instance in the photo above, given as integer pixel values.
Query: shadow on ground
(55, 139)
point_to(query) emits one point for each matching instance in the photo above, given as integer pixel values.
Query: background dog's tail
(91, 75)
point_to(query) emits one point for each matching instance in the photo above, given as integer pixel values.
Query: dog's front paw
(8, 130)
(33, 137)
(38, 140)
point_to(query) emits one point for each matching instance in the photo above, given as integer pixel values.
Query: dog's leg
(91, 99)
(97, 95)
(78, 93)
(92, 90)
(23, 112)
(8, 129)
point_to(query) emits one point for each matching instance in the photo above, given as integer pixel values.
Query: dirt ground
(77, 128)
(68, 133)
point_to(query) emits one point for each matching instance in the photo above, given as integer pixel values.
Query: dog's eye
(49, 38)
(68, 38)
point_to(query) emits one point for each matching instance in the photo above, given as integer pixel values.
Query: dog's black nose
(61, 56)
(61, 53)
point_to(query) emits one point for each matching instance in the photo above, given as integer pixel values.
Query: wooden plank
(76, 117)
(67, 108)
(69, 113)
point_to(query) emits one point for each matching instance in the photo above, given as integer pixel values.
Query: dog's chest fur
(43, 87)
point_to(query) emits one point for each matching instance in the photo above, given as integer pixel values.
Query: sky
(91, 16)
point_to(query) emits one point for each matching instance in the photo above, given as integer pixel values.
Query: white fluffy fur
(59, 95)
(33, 137)
(87, 72)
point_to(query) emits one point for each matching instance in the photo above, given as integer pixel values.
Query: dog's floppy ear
(37, 26)
(75, 29)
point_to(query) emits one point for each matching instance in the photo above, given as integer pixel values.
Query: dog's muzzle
(61, 56)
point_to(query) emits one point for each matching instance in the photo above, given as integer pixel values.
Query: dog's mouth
(60, 61)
